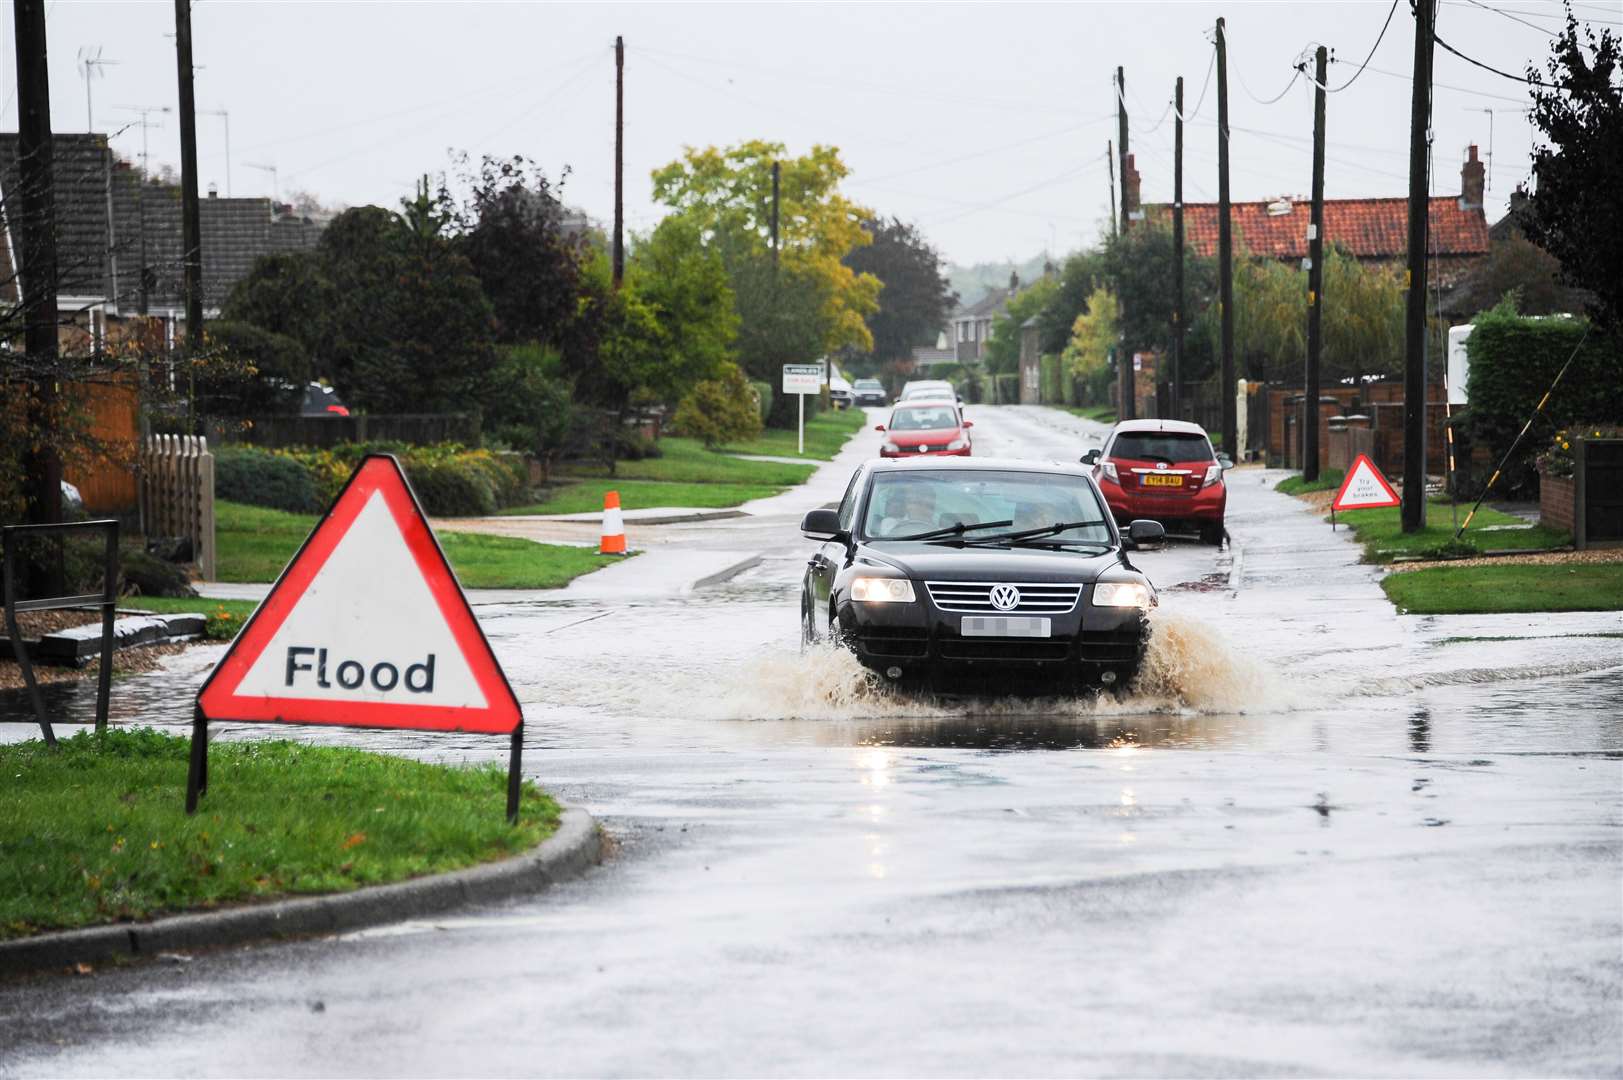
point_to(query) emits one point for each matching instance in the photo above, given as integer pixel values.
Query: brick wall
(1556, 502)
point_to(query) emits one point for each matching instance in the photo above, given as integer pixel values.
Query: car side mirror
(1091, 457)
(1225, 462)
(879, 427)
(969, 423)
(821, 525)
(1143, 531)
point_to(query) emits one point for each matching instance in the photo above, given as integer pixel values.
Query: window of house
(963, 331)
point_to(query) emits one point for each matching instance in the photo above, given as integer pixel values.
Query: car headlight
(891, 448)
(1121, 594)
(957, 444)
(882, 590)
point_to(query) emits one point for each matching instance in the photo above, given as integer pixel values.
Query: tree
(1517, 265)
(783, 319)
(260, 371)
(720, 410)
(1139, 267)
(685, 286)
(727, 194)
(286, 294)
(528, 402)
(916, 299)
(1574, 206)
(1079, 278)
(1003, 347)
(1093, 337)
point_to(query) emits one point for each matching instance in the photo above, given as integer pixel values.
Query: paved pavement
(1322, 838)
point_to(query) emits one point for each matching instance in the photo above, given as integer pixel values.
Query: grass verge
(1484, 590)
(686, 461)
(1329, 480)
(826, 433)
(254, 544)
(97, 832)
(1381, 533)
(1104, 414)
(225, 617)
(586, 496)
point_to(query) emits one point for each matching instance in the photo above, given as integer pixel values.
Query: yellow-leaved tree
(1093, 335)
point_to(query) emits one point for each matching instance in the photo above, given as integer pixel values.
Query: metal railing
(107, 600)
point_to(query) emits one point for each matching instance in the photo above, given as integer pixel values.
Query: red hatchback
(1163, 470)
(926, 427)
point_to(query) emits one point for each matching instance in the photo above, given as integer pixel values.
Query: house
(970, 327)
(1372, 230)
(120, 246)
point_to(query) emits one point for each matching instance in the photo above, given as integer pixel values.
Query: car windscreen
(1168, 446)
(924, 418)
(907, 503)
(928, 390)
(869, 384)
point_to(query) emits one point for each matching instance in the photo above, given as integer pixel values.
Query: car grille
(999, 649)
(975, 597)
(1110, 646)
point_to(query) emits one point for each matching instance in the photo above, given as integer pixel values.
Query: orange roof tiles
(1365, 228)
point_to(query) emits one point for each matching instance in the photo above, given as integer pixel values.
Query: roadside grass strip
(225, 617)
(826, 433)
(1487, 590)
(96, 833)
(686, 461)
(586, 496)
(1381, 533)
(253, 544)
(1329, 480)
(1104, 414)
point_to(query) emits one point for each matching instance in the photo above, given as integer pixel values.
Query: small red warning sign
(367, 627)
(1364, 488)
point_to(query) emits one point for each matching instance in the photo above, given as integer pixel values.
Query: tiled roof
(79, 172)
(990, 304)
(1364, 228)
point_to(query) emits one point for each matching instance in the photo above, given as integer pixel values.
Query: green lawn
(1381, 532)
(1329, 480)
(225, 617)
(97, 832)
(254, 544)
(686, 461)
(1105, 414)
(825, 434)
(586, 496)
(1478, 590)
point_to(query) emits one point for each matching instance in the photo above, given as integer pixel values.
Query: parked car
(870, 392)
(926, 427)
(839, 392)
(321, 401)
(990, 576)
(929, 388)
(1166, 471)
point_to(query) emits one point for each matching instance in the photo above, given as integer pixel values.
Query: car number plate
(1005, 626)
(1161, 480)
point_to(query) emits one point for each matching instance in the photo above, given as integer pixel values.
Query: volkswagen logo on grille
(1005, 597)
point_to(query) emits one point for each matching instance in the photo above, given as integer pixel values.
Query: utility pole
(776, 177)
(1177, 249)
(1121, 145)
(1225, 255)
(191, 222)
(1414, 326)
(37, 229)
(1315, 275)
(619, 160)
(1110, 161)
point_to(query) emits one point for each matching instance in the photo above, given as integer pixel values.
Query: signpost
(1363, 489)
(800, 380)
(366, 627)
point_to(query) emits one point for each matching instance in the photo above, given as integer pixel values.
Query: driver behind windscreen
(909, 509)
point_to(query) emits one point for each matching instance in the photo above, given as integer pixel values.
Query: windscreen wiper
(951, 530)
(1027, 534)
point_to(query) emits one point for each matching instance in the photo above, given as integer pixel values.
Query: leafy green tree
(1080, 276)
(528, 402)
(1093, 336)
(260, 371)
(1140, 265)
(727, 194)
(782, 320)
(720, 410)
(686, 287)
(1574, 205)
(1003, 347)
(1517, 265)
(286, 294)
(916, 299)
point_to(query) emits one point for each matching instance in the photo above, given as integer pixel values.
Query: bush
(147, 575)
(720, 411)
(251, 371)
(1514, 359)
(265, 478)
(763, 398)
(452, 489)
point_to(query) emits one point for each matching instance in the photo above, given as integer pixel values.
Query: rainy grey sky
(985, 124)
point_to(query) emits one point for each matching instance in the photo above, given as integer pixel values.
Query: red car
(926, 427)
(1163, 470)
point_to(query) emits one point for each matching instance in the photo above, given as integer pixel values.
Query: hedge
(450, 481)
(763, 398)
(1514, 359)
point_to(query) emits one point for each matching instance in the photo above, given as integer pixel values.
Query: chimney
(1472, 180)
(1014, 280)
(1131, 210)
(214, 191)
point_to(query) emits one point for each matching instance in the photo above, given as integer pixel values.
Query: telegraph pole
(1110, 161)
(1177, 249)
(37, 267)
(1414, 344)
(1121, 143)
(1315, 275)
(619, 159)
(1225, 255)
(776, 176)
(191, 224)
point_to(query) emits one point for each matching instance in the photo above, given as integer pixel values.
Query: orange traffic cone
(614, 526)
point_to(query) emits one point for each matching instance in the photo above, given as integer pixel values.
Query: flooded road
(1321, 838)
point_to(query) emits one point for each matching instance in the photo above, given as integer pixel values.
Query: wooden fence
(105, 475)
(177, 494)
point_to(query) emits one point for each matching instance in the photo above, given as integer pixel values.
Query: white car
(929, 388)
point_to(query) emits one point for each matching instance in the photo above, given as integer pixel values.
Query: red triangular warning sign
(1364, 488)
(367, 627)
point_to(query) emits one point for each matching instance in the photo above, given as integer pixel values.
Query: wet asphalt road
(1325, 839)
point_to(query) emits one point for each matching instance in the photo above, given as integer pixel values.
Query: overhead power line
(1378, 39)
(1513, 17)
(1488, 67)
(1204, 86)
